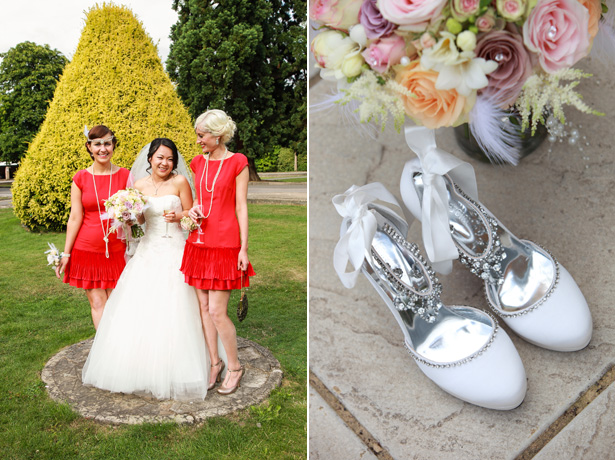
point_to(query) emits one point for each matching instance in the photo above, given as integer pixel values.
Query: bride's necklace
(213, 184)
(105, 232)
(154, 184)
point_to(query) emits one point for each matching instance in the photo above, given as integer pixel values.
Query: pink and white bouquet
(124, 206)
(448, 62)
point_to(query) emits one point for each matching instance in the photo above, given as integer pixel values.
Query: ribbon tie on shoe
(434, 163)
(358, 227)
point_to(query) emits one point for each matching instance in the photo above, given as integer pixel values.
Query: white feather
(349, 112)
(603, 48)
(495, 134)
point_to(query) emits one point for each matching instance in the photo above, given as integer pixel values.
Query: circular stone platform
(62, 376)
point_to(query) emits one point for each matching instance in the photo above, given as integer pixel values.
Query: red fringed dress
(88, 268)
(213, 265)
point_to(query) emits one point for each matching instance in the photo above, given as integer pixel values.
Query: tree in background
(116, 79)
(248, 58)
(28, 77)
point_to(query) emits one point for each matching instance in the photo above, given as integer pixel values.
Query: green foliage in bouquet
(117, 79)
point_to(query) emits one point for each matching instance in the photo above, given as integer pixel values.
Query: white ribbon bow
(434, 163)
(358, 228)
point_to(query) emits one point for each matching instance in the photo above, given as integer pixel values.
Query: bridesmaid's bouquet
(187, 224)
(124, 206)
(53, 256)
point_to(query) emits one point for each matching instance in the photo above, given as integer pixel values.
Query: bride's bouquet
(448, 62)
(123, 206)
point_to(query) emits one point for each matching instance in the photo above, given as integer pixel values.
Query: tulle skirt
(92, 270)
(213, 268)
(150, 338)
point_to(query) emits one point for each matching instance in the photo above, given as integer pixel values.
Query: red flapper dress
(88, 267)
(213, 265)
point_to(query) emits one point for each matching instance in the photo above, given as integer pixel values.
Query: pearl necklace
(105, 233)
(205, 172)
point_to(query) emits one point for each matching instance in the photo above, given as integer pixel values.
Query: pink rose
(412, 15)
(514, 65)
(384, 53)
(463, 9)
(486, 22)
(338, 14)
(557, 31)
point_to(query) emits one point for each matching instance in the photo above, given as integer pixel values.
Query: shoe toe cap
(494, 380)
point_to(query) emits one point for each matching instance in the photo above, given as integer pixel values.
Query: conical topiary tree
(116, 79)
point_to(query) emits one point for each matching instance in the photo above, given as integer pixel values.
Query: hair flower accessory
(442, 63)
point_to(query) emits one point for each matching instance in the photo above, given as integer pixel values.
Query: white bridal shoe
(461, 349)
(524, 283)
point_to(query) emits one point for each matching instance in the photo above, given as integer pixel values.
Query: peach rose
(431, 107)
(594, 8)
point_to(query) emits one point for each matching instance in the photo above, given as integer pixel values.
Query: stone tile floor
(560, 197)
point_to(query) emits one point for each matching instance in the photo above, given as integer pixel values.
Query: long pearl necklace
(105, 232)
(213, 184)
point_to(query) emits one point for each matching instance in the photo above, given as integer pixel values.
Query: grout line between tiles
(349, 420)
(584, 400)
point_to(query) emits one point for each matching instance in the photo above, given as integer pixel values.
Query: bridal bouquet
(448, 62)
(124, 206)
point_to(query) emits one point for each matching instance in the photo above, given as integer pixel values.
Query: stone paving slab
(329, 437)
(589, 435)
(62, 376)
(563, 199)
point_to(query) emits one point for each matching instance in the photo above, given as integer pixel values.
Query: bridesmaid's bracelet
(65, 254)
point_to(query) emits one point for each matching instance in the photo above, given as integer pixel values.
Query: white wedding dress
(150, 340)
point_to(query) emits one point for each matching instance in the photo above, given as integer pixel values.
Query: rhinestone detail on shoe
(424, 304)
(461, 362)
(487, 266)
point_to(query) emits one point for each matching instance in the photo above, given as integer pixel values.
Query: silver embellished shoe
(524, 283)
(459, 348)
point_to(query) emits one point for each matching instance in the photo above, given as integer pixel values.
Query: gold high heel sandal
(219, 376)
(230, 390)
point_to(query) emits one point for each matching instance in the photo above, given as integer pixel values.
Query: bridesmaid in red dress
(89, 262)
(216, 260)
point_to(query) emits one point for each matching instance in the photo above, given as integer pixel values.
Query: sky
(58, 23)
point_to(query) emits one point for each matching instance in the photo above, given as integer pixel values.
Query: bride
(150, 339)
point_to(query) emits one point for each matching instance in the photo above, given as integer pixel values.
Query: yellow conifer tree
(117, 79)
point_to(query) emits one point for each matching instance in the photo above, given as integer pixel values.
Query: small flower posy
(124, 206)
(448, 62)
(53, 255)
(187, 224)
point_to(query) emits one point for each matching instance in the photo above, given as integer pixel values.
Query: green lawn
(39, 315)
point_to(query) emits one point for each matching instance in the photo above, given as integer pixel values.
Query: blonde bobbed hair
(218, 123)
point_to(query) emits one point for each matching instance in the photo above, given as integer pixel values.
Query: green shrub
(302, 163)
(267, 163)
(286, 159)
(116, 79)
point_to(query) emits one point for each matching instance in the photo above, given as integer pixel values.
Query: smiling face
(206, 140)
(101, 150)
(162, 162)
